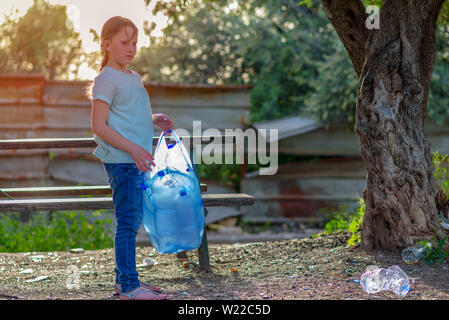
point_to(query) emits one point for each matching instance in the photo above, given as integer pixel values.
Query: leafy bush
(435, 253)
(356, 224)
(344, 221)
(230, 173)
(58, 231)
(440, 171)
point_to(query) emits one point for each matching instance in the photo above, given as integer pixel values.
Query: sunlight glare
(87, 14)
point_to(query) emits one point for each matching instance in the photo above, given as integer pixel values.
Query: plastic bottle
(392, 278)
(414, 253)
(173, 218)
(445, 223)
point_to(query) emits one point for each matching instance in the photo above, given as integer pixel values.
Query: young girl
(122, 123)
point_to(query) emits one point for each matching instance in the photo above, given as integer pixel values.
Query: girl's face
(122, 47)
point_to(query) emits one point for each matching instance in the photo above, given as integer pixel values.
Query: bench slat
(56, 191)
(210, 200)
(56, 204)
(227, 199)
(67, 191)
(51, 143)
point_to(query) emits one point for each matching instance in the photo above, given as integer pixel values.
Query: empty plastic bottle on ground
(381, 279)
(414, 253)
(445, 223)
(173, 211)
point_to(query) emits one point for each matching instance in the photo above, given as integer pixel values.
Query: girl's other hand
(163, 122)
(141, 157)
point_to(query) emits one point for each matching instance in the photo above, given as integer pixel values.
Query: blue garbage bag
(173, 210)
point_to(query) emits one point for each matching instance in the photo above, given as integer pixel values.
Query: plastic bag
(173, 210)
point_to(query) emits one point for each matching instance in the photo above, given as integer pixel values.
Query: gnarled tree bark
(394, 65)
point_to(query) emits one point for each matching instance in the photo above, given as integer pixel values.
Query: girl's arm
(100, 111)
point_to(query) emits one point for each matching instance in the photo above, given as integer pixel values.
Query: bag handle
(161, 137)
(178, 141)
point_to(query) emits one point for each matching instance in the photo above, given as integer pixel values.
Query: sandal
(142, 294)
(118, 287)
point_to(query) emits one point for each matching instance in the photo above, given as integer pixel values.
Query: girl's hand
(163, 122)
(141, 158)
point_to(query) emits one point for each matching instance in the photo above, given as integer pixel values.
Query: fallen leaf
(76, 250)
(26, 271)
(38, 258)
(40, 278)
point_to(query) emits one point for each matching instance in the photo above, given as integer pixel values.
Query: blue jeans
(125, 181)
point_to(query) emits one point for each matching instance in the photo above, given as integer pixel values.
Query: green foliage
(337, 224)
(276, 46)
(378, 3)
(286, 49)
(343, 220)
(435, 253)
(40, 41)
(437, 109)
(58, 231)
(284, 54)
(443, 18)
(199, 45)
(440, 171)
(334, 93)
(226, 173)
(356, 225)
(230, 173)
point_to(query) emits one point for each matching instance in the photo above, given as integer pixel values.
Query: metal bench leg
(203, 251)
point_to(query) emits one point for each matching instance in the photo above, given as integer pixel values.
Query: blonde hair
(111, 27)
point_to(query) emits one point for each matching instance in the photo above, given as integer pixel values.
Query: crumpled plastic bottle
(381, 279)
(414, 253)
(445, 223)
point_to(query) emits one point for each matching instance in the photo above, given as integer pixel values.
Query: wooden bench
(71, 197)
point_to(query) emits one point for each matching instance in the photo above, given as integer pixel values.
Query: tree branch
(348, 18)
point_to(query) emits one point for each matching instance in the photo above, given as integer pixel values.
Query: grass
(58, 231)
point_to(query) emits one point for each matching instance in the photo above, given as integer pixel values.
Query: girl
(122, 123)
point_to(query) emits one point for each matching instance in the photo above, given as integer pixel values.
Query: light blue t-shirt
(129, 112)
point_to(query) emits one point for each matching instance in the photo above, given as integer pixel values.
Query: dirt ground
(301, 269)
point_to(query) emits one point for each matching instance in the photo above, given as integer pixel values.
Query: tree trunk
(394, 75)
